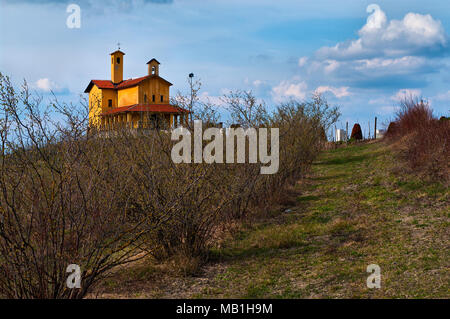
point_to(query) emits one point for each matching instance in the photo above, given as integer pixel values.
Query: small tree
(356, 132)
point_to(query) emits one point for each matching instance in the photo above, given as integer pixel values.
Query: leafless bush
(67, 197)
(423, 140)
(413, 115)
(63, 200)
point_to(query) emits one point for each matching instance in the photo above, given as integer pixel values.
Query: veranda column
(129, 120)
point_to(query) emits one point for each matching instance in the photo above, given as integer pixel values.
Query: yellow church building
(134, 103)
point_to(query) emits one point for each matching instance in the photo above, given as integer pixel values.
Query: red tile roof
(157, 108)
(107, 84)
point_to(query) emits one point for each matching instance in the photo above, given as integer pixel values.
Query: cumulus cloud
(376, 21)
(338, 92)
(415, 34)
(387, 53)
(286, 90)
(330, 65)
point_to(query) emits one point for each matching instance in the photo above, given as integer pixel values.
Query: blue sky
(362, 55)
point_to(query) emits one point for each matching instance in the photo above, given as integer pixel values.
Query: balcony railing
(139, 125)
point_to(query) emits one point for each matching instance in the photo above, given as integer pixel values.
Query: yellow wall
(108, 94)
(154, 86)
(128, 96)
(95, 105)
(98, 98)
(98, 103)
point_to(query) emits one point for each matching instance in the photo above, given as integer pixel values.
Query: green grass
(350, 212)
(353, 212)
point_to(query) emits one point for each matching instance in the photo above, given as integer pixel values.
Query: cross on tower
(118, 45)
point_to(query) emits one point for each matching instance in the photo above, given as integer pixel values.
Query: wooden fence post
(375, 129)
(346, 131)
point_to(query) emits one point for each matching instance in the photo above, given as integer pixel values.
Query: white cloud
(381, 37)
(380, 63)
(406, 94)
(416, 29)
(356, 71)
(386, 53)
(331, 65)
(289, 89)
(338, 92)
(302, 61)
(375, 22)
(46, 85)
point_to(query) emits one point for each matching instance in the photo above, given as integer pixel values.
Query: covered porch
(144, 117)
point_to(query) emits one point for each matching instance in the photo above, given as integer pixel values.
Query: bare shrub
(63, 200)
(423, 139)
(413, 115)
(213, 196)
(96, 200)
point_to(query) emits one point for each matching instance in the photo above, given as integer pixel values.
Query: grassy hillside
(356, 208)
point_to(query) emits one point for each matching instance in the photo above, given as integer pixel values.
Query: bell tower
(153, 67)
(117, 66)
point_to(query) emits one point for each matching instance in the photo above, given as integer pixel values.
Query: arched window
(153, 69)
(118, 60)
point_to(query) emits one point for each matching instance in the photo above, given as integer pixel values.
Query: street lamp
(191, 76)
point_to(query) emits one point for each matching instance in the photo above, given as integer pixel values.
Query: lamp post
(191, 77)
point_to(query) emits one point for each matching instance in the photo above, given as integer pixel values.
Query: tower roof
(153, 60)
(117, 51)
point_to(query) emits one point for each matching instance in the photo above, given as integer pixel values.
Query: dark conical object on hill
(356, 132)
(392, 129)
